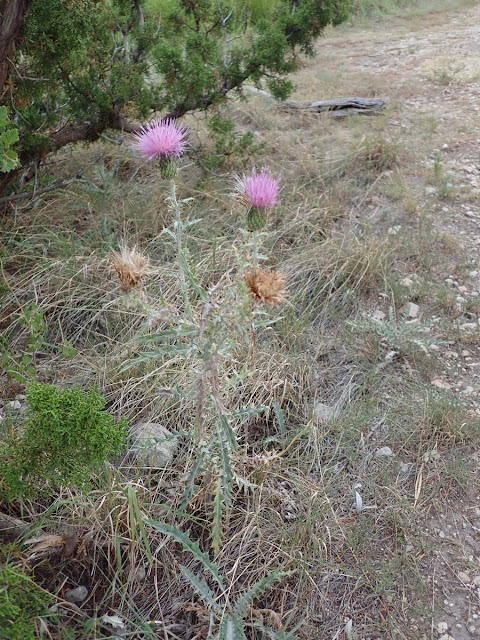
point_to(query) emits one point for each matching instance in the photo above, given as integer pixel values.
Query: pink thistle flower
(163, 139)
(259, 190)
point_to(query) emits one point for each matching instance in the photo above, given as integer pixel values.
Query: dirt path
(430, 78)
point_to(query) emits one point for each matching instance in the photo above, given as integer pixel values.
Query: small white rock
(476, 581)
(409, 310)
(15, 405)
(378, 315)
(392, 231)
(76, 595)
(407, 282)
(442, 627)
(383, 452)
(469, 326)
(463, 577)
(441, 384)
(433, 454)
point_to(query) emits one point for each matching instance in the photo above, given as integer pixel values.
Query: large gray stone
(152, 444)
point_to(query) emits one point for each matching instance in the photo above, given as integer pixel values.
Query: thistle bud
(168, 168)
(256, 219)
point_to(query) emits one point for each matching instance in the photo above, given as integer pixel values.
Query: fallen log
(338, 108)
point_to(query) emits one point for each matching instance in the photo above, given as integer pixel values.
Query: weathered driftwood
(338, 108)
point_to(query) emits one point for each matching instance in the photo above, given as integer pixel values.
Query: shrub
(21, 601)
(66, 435)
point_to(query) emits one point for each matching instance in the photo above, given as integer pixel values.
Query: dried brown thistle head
(131, 267)
(266, 285)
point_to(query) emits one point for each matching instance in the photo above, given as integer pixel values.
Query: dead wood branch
(339, 107)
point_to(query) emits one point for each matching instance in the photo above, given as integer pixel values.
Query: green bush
(21, 601)
(67, 435)
(8, 137)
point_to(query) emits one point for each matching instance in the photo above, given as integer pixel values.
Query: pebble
(476, 581)
(463, 577)
(15, 405)
(383, 452)
(392, 231)
(76, 595)
(409, 310)
(440, 384)
(442, 627)
(378, 315)
(469, 326)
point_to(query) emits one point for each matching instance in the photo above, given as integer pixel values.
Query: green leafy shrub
(21, 601)
(8, 137)
(21, 365)
(66, 435)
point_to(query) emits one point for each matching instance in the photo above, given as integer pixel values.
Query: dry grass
(353, 223)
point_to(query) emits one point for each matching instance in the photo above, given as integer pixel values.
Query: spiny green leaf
(231, 629)
(188, 545)
(256, 590)
(201, 588)
(280, 417)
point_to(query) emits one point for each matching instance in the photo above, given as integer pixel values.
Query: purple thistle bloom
(163, 139)
(259, 190)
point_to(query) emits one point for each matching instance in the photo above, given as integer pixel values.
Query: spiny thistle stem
(180, 256)
(255, 237)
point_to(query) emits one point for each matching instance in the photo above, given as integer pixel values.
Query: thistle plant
(131, 267)
(229, 618)
(164, 140)
(258, 192)
(212, 325)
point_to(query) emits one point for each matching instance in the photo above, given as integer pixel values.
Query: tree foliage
(83, 66)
